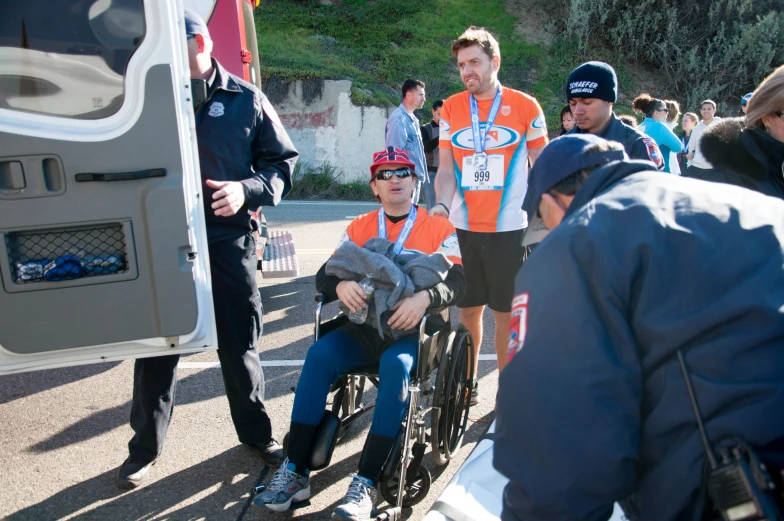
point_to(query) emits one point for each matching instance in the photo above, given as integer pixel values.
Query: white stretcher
(476, 489)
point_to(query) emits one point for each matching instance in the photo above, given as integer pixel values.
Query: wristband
(445, 208)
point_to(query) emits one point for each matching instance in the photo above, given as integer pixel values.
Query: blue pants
(337, 354)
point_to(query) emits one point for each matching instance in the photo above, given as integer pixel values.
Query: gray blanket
(394, 276)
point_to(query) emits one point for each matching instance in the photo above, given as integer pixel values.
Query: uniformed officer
(246, 161)
(638, 267)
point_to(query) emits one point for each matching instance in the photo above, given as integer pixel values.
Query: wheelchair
(440, 387)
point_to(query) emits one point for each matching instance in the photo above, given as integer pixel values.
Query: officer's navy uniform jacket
(241, 139)
(637, 144)
(593, 407)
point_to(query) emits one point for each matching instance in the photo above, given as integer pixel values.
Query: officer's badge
(216, 109)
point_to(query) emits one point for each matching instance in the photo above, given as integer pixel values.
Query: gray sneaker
(359, 504)
(285, 488)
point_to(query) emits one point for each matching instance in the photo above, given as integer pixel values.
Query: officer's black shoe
(132, 472)
(271, 452)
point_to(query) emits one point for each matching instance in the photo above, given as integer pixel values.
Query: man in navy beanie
(592, 90)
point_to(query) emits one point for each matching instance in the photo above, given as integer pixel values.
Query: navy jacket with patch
(241, 139)
(593, 408)
(637, 144)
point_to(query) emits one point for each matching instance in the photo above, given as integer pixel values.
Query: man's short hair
(571, 184)
(411, 85)
(477, 36)
(709, 102)
(437, 104)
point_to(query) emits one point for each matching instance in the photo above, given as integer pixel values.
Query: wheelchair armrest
(320, 297)
(443, 311)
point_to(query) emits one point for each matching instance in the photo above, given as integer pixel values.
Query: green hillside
(378, 44)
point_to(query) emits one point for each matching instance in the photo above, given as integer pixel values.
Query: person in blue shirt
(654, 125)
(402, 131)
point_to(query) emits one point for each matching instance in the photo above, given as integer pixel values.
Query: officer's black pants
(238, 319)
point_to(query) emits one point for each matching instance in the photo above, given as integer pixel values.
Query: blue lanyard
(481, 138)
(404, 233)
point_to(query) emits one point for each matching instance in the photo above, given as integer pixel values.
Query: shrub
(716, 49)
(324, 183)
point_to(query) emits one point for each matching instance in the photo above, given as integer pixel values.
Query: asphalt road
(64, 432)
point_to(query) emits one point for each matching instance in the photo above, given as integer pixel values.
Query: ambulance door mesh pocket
(67, 254)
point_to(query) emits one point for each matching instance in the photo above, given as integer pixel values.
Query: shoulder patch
(518, 325)
(654, 154)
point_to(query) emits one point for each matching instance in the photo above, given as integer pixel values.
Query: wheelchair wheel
(414, 492)
(436, 439)
(457, 393)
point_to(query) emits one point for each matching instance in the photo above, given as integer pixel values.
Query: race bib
(488, 176)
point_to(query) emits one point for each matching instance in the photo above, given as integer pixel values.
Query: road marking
(281, 363)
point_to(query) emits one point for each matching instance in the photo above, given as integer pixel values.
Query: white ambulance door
(103, 249)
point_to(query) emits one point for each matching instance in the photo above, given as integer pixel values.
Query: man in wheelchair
(352, 347)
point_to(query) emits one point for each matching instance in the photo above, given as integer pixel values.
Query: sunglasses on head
(386, 175)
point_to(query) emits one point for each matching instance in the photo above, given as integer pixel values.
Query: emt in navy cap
(246, 161)
(592, 406)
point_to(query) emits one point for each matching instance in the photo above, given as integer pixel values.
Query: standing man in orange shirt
(489, 133)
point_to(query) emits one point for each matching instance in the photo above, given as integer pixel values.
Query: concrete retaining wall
(328, 128)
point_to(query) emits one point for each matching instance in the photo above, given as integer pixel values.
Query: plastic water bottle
(359, 316)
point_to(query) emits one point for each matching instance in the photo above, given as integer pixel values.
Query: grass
(323, 183)
(378, 44)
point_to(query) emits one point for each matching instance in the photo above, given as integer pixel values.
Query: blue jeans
(336, 354)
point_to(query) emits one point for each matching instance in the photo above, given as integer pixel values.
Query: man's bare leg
(471, 318)
(502, 337)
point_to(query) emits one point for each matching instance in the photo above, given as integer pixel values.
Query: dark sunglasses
(386, 175)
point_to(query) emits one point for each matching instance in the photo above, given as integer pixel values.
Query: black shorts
(491, 262)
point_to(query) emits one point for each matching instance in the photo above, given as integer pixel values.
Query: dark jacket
(592, 408)
(637, 144)
(741, 156)
(241, 139)
(430, 135)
